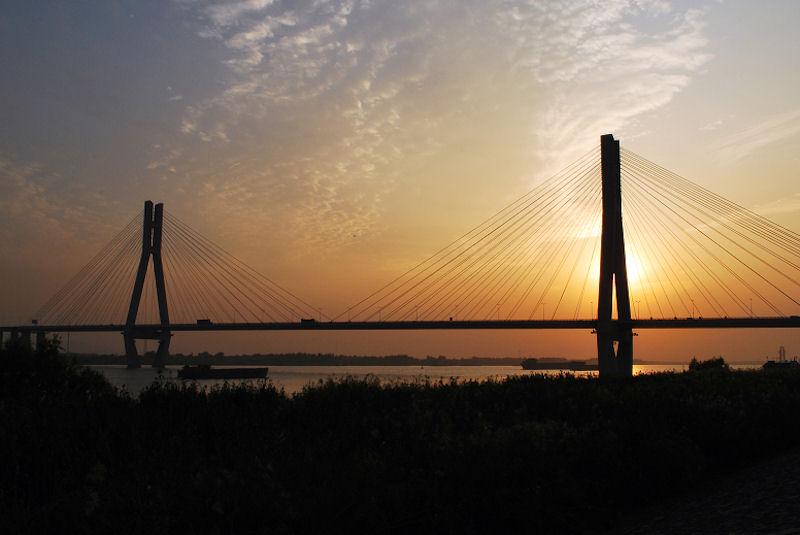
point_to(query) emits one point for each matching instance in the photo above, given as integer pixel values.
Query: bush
(712, 364)
(533, 453)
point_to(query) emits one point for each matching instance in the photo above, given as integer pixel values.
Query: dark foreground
(764, 498)
(530, 454)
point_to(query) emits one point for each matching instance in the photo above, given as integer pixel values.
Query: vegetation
(305, 359)
(713, 364)
(533, 454)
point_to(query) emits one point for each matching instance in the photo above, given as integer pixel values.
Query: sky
(333, 145)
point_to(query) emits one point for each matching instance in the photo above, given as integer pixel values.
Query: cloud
(227, 13)
(786, 205)
(711, 126)
(622, 73)
(743, 143)
(331, 109)
(42, 211)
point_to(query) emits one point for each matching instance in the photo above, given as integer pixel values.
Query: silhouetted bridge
(694, 260)
(675, 323)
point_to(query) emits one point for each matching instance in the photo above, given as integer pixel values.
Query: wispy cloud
(227, 13)
(711, 126)
(329, 107)
(786, 205)
(741, 144)
(38, 213)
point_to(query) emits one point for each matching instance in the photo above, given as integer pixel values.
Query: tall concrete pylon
(151, 247)
(614, 337)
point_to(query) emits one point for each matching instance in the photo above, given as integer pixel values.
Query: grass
(529, 454)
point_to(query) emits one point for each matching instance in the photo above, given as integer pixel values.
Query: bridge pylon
(152, 228)
(614, 337)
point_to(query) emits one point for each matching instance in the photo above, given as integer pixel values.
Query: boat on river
(205, 371)
(782, 363)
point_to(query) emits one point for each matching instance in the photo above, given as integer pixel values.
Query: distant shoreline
(303, 359)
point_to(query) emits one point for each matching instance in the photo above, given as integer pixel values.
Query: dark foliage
(531, 454)
(712, 364)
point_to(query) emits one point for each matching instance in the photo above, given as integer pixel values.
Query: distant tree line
(303, 359)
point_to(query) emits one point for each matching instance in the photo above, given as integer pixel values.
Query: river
(293, 378)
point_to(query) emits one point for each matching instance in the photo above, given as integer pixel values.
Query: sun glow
(636, 268)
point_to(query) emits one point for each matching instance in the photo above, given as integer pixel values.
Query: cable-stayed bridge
(611, 244)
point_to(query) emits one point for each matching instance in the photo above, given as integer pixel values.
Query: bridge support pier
(132, 357)
(162, 352)
(614, 336)
(615, 351)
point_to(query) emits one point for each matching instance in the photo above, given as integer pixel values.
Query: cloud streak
(786, 205)
(739, 145)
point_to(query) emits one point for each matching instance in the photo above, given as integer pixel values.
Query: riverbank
(533, 453)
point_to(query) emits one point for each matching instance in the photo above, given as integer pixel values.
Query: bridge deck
(675, 323)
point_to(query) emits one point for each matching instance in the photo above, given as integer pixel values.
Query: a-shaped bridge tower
(614, 338)
(152, 238)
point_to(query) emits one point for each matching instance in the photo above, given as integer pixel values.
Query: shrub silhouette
(712, 364)
(530, 454)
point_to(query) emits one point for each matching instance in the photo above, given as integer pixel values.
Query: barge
(205, 371)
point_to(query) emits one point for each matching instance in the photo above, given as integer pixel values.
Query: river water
(293, 378)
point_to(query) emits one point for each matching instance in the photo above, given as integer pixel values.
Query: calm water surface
(293, 378)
